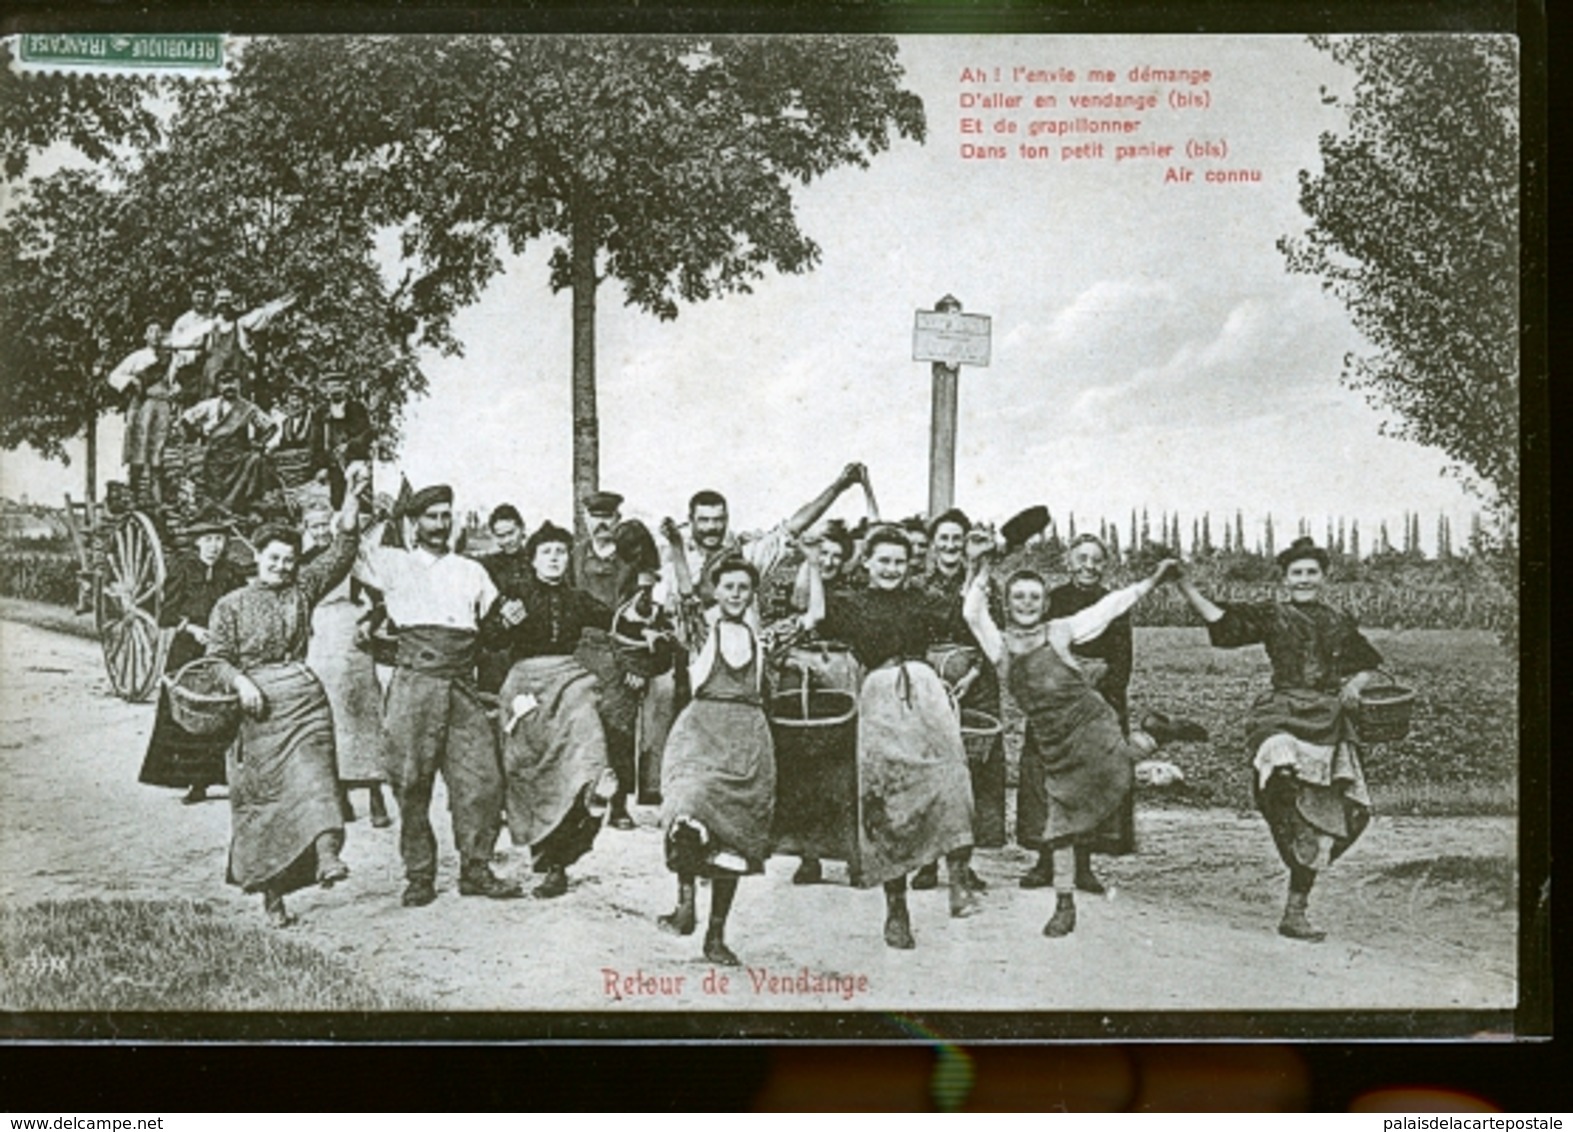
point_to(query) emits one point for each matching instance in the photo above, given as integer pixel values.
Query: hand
(513, 612)
(853, 473)
(198, 633)
(634, 681)
(251, 701)
(980, 542)
(1094, 670)
(1349, 694)
(1165, 571)
(670, 532)
(321, 477)
(357, 477)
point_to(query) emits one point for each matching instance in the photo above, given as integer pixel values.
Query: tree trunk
(90, 469)
(586, 427)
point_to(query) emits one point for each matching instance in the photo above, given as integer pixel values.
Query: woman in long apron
(914, 789)
(1083, 757)
(1301, 733)
(559, 783)
(283, 781)
(197, 579)
(349, 676)
(718, 773)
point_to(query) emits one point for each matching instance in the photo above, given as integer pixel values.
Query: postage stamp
(995, 533)
(103, 53)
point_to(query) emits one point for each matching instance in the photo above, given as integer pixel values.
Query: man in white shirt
(187, 338)
(143, 377)
(433, 719)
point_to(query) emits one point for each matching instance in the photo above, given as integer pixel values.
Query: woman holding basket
(1301, 734)
(283, 779)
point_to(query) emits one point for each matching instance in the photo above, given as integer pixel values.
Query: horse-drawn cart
(124, 546)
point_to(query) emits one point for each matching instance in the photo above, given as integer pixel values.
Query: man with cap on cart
(433, 718)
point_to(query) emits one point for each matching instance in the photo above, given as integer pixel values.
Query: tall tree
(1415, 228)
(663, 163)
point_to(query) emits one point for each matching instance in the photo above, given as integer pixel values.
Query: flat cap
(602, 502)
(426, 497)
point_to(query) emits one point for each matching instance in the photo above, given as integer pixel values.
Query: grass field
(1461, 756)
(109, 955)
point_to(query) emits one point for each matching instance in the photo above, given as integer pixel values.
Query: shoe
(1167, 729)
(418, 893)
(926, 878)
(1063, 922)
(483, 882)
(719, 953)
(555, 884)
(1037, 878)
(1295, 924)
(194, 796)
(330, 872)
(974, 881)
(621, 819)
(898, 931)
(1087, 881)
(809, 872)
(381, 821)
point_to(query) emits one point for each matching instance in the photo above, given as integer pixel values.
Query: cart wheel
(128, 608)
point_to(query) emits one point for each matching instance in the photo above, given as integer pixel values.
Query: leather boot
(1063, 922)
(1086, 880)
(927, 877)
(1295, 924)
(898, 923)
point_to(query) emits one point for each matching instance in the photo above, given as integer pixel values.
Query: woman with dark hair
(283, 780)
(1107, 658)
(196, 580)
(914, 793)
(718, 775)
(554, 745)
(1083, 758)
(1302, 735)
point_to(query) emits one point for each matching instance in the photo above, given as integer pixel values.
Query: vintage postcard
(997, 534)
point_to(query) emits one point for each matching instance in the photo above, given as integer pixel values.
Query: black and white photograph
(737, 535)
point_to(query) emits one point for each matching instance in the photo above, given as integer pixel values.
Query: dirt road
(1420, 914)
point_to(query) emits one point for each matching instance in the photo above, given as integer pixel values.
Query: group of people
(545, 679)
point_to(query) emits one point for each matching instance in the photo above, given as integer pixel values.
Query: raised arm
(811, 512)
(1198, 601)
(975, 610)
(333, 566)
(1091, 622)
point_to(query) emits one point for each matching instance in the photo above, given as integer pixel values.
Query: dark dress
(1313, 649)
(510, 573)
(283, 774)
(175, 757)
(914, 790)
(986, 767)
(554, 753)
(1113, 647)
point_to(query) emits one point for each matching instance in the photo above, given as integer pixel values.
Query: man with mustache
(433, 719)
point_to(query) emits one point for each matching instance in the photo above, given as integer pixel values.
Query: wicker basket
(1385, 712)
(199, 701)
(979, 729)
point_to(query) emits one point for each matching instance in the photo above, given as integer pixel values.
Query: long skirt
(719, 769)
(349, 677)
(1325, 806)
(283, 788)
(552, 758)
(914, 790)
(176, 757)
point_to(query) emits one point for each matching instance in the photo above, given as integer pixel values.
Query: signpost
(950, 340)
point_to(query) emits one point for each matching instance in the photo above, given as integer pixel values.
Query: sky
(1149, 350)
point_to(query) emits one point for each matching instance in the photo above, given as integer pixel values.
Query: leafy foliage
(1415, 228)
(92, 113)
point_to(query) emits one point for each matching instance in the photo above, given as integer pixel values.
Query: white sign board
(950, 337)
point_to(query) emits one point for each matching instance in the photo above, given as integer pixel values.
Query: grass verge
(124, 955)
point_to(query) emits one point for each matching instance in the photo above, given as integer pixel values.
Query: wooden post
(942, 427)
